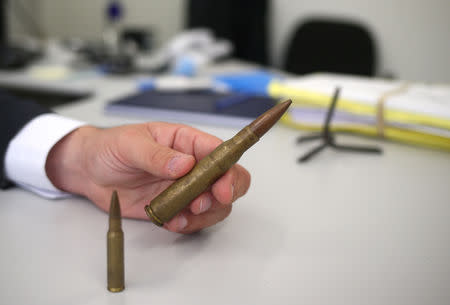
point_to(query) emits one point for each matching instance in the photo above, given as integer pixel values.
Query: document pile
(414, 113)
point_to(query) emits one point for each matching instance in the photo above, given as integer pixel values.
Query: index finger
(185, 139)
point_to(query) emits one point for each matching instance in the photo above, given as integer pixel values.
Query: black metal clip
(328, 137)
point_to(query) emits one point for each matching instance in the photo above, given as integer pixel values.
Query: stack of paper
(408, 112)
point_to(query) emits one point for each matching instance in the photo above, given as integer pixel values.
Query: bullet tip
(266, 120)
(114, 208)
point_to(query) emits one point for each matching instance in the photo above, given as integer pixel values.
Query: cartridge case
(115, 254)
(115, 262)
(178, 195)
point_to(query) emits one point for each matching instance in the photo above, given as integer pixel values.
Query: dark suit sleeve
(14, 114)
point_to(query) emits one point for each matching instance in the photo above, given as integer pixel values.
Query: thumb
(162, 161)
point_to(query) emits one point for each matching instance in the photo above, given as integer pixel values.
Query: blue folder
(199, 106)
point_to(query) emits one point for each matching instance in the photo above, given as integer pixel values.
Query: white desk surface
(342, 229)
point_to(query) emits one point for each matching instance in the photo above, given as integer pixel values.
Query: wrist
(65, 162)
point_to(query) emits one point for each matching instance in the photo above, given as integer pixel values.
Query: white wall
(413, 35)
(84, 18)
(17, 27)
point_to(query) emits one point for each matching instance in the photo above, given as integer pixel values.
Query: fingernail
(205, 204)
(175, 163)
(232, 192)
(181, 222)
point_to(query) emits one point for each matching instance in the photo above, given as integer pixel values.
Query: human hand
(140, 161)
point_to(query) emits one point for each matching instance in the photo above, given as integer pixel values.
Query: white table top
(341, 229)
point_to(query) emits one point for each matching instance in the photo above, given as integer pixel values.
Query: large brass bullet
(115, 262)
(177, 196)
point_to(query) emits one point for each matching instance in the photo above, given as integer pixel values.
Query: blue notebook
(200, 106)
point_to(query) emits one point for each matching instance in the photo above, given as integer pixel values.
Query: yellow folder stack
(413, 113)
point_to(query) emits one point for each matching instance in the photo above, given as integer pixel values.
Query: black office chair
(339, 46)
(243, 22)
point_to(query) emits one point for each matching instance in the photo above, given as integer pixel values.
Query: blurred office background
(412, 36)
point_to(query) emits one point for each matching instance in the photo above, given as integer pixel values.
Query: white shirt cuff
(27, 152)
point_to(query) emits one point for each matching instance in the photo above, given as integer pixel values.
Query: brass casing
(176, 197)
(115, 262)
